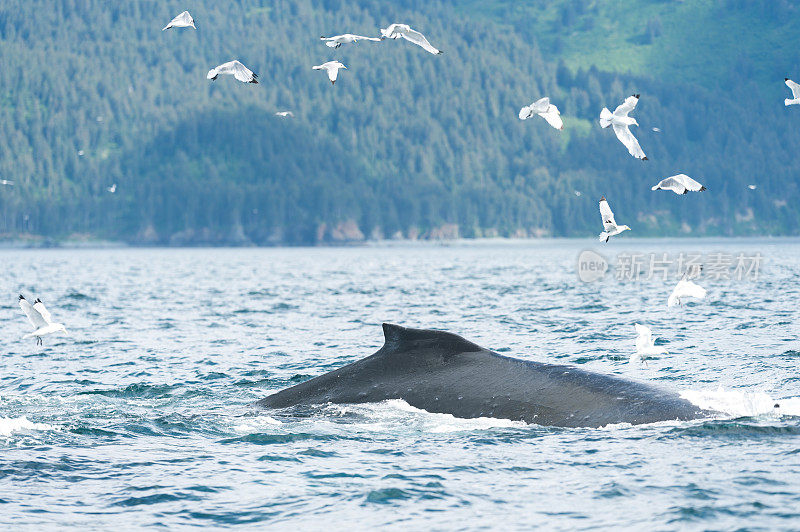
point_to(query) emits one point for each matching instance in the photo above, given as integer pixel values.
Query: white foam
(9, 425)
(255, 424)
(397, 411)
(738, 403)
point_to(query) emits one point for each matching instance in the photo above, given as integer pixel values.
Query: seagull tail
(787, 101)
(605, 117)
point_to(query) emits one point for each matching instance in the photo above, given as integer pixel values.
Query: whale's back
(442, 372)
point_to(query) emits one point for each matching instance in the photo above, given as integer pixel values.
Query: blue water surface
(144, 416)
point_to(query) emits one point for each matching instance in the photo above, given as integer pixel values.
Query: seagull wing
(691, 289)
(626, 137)
(36, 319)
(644, 337)
(333, 73)
(224, 68)
(420, 40)
(608, 217)
(690, 184)
(685, 288)
(627, 106)
(553, 117)
(395, 30)
(795, 88)
(672, 184)
(243, 74)
(540, 105)
(39, 307)
(181, 21)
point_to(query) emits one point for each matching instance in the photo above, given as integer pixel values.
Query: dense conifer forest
(406, 144)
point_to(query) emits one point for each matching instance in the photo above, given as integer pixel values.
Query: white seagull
(235, 69)
(609, 224)
(795, 92)
(184, 20)
(284, 114)
(685, 288)
(679, 184)
(6, 182)
(645, 344)
(337, 40)
(40, 319)
(621, 123)
(396, 31)
(112, 188)
(752, 187)
(545, 109)
(332, 67)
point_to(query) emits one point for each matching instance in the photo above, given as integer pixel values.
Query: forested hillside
(406, 144)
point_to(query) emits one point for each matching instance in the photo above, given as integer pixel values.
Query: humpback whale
(442, 372)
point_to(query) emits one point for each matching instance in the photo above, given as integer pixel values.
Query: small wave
(78, 296)
(8, 425)
(742, 404)
(141, 391)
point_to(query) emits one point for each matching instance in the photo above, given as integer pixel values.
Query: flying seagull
(621, 123)
(645, 344)
(184, 20)
(685, 288)
(609, 224)
(396, 31)
(795, 92)
(679, 184)
(284, 114)
(332, 67)
(752, 187)
(235, 69)
(112, 188)
(6, 182)
(337, 40)
(40, 319)
(545, 109)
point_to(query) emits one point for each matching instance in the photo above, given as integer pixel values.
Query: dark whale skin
(441, 372)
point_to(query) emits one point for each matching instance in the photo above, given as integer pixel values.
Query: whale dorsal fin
(399, 338)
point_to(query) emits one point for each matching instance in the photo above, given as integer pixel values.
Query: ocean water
(144, 416)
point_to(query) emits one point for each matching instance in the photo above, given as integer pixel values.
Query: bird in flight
(645, 344)
(621, 123)
(795, 87)
(679, 184)
(40, 319)
(337, 40)
(184, 20)
(332, 67)
(685, 288)
(233, 68)
(397, 31)
(545, 109)
(610, 227)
